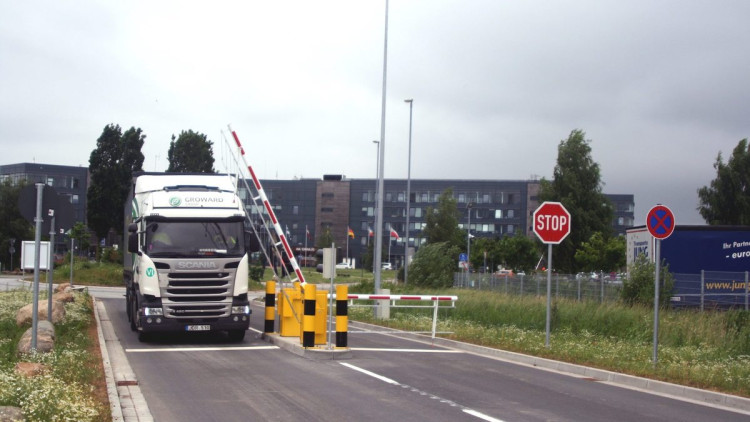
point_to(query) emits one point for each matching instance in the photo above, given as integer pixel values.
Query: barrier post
(270, 306)
(342, 315)
(308, 319)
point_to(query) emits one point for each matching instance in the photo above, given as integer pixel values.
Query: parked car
(343, 266)
(387, 266)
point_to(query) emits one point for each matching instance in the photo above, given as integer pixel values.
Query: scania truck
(187, 263)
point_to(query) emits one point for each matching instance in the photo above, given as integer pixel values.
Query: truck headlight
(152, 311)
(241, 309)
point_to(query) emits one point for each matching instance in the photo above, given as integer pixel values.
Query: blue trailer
(710, 263)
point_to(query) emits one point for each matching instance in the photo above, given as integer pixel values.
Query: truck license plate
(198, 328)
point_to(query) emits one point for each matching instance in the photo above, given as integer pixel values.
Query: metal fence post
(703, 279)
(578, 279)
(746, 290)
(434, 318)
(601, 281)
(521, 292)
(557, 286)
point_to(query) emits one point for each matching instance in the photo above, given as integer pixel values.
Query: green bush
(111, 255)
(434, 265)
(256, 273)
(639, 287)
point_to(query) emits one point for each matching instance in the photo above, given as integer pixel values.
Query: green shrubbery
(639, 287)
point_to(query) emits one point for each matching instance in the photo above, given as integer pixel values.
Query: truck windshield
(194, 238)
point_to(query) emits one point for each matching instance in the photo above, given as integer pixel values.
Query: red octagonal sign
(551, 222)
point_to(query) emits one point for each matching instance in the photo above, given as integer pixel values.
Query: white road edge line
(200, 349)
(393, 382)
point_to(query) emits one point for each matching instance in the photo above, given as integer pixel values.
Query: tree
(434, 265)
(727, 199)
(577, 185)
(600, 254)
(191, 152)
(111, 165)
(14, 226)
(519, 252)
(441, 223)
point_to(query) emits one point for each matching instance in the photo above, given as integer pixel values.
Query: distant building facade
(306, 208)
(69, 181)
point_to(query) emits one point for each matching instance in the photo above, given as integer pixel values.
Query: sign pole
(551, 226)
(549, 292)
(37, 252)
(660, 222)
(656, 300)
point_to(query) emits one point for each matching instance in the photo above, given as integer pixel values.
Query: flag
(307, 233)
(287, 231)
(394, 234)
(350, 233)
(369, 232)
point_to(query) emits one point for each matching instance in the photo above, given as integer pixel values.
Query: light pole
(377, 254)
(408, 196)
(468, 237)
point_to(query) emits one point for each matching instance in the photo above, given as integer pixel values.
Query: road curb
(125, 396)
(679, 392)
(292, 344)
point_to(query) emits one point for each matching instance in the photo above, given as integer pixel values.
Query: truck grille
(197, 294)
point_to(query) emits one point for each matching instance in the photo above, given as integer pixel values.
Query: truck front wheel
(236, 335)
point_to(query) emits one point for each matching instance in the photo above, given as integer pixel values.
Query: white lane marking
(375, 349)
(481, 416)
(372, 374)
(201, 349)
(424, 393)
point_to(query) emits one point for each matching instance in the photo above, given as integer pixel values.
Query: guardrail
(392, 299)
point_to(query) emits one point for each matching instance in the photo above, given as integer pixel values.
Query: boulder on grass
(24, 315)
(63, 297)
(62, 287)
(31, 369)
(45, 338)
(11, 414)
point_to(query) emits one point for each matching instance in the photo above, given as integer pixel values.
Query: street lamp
(468, 237)
(408, 196)
(375, 198)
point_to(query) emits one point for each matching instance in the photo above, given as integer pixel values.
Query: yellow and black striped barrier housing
(342, 315)
(308, 318)
(270, 306)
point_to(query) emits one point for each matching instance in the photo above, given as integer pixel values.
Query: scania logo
(175, 201)
(196, 265)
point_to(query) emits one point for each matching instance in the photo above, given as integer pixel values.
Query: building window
(327, 195)
(368, 211)
(511, 213)
(401, 197)
(295, 209)
(461, 198)
(498, 214)
(326, 209)
(511, 229)
(74, 199)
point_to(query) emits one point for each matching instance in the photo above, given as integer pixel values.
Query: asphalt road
(204, 377)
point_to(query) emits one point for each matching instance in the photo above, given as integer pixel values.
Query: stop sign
(551, 222)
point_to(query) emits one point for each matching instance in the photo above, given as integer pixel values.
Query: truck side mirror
(133, 238)
(251, 242)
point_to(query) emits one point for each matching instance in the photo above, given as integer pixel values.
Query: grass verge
(73, 386)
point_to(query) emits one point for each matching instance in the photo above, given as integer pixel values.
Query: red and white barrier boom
(261, 195)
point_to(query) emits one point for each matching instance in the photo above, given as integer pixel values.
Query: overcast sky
(659, 87)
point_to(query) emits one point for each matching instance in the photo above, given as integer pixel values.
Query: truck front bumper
(150, 324)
